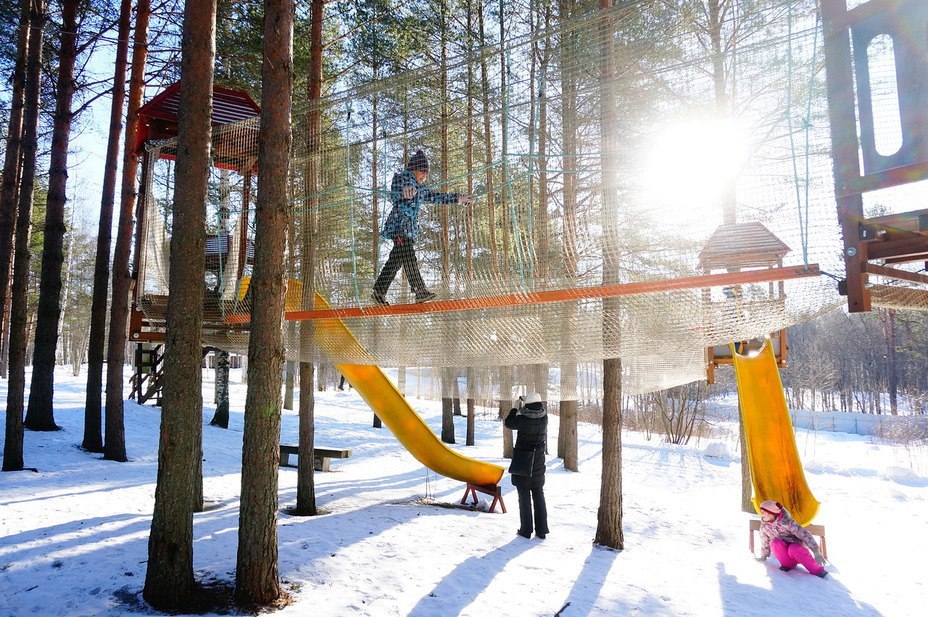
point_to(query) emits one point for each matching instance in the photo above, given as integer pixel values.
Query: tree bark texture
(567, 426)
(449, 388)
(609, 517)
(505, 404)
(221, 417)
(256, 580)
(93, 439)
(305, 473)
(290, 373)
(12, 165)
(13, 446)
(114, 442)
(40, 415)
(32, 55)
(169, 581)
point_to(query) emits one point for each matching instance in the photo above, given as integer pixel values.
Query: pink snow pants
(789, 555)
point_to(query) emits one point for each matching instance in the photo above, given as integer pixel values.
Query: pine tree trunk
(505, 404)
(471, 405)
(306, 481)
(169, 581)
(256, 580)
(305, 478)
(221, 417)
(13, 446)
(609, 518)
(20, 289)
(488, 144)
(504, 143)
(567, 426)
(12, 165)
(447, 407)
(543, 190)
(93, 438)
(40, 414)
(115, 434)
(289, 371)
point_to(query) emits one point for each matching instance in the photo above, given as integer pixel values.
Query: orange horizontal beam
(558, 295)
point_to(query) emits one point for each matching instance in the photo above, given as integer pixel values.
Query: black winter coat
(532, 435)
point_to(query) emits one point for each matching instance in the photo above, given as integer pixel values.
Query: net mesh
(722, 165)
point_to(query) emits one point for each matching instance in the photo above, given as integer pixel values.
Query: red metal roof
(158, 117)
(228, 105)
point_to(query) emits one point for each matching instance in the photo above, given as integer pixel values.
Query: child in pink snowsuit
(789, 541)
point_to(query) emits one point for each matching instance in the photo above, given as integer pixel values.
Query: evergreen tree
(169, 581)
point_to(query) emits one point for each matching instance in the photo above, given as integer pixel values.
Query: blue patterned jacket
(403, 219)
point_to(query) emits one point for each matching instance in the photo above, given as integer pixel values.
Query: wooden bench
(322, 456)
(815, 530)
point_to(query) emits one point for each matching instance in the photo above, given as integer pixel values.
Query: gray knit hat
(418, 162)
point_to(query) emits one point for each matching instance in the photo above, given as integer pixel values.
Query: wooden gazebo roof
(744, 245)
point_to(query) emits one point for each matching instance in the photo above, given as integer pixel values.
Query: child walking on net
(407, 192)
(789, 541)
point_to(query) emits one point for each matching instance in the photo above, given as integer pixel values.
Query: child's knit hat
(418, 162)
(771, 507)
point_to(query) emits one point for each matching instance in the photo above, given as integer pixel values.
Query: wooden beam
(847, 18)
(916, 221)
(907, 247)
(885, 179)
(843, 129)
(895, 273)
(559, 295)
(908, 259)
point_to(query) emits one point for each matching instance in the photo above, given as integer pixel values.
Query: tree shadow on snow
(785, 595)
(460, 587)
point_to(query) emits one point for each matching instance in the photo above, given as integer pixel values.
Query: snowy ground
(73, 537)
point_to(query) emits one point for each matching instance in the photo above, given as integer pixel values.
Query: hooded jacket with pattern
(788, 530)
(403, 219)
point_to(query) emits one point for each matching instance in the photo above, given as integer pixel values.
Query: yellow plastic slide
(387, 402)
(776, 470)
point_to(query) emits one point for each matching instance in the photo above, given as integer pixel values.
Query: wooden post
(844, 145)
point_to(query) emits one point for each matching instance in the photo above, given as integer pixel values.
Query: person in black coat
(530, 419)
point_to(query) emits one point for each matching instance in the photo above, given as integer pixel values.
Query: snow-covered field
(73, 537)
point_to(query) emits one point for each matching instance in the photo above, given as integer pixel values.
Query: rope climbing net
(719, 162)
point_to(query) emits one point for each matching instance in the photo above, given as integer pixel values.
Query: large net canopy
(648, 181)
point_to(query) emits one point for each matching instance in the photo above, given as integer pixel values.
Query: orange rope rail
(558, 295)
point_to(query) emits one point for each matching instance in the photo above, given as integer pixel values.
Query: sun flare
(690, 164)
